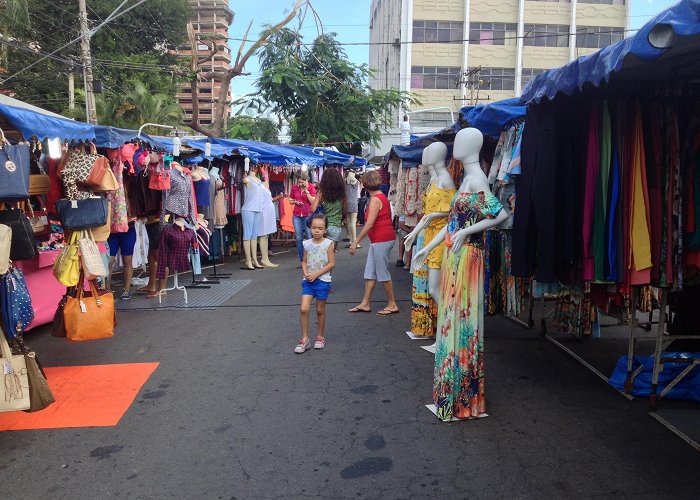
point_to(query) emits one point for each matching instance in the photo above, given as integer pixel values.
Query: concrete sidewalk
(232, 412)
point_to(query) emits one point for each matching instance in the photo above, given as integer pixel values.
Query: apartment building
(453, 53)
(208, 17)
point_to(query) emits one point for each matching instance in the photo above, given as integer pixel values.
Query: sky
(350, 23)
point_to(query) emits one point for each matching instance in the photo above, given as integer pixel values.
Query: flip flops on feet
(358, 309)
(387, 312)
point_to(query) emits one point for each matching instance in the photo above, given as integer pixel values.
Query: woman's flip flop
(358, 310)
(387, 312)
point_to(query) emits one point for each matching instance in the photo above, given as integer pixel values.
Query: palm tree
(12, 13)
(143, 106)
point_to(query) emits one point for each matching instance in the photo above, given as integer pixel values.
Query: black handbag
(23, 246)
(82, 214)
(14, 171)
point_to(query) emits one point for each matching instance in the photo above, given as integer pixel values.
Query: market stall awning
(411, 155)
(663, 50)
(491, 118)
(274, 154)
(33, 123)
(331, 157)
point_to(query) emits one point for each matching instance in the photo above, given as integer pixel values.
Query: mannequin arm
(480, 226)
(419, 257)
(424, 221)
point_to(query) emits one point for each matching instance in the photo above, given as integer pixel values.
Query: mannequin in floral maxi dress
(458, 380)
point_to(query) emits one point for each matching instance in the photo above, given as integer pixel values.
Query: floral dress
(458, 383)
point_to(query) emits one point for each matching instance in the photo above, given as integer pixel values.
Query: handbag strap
(4, 346)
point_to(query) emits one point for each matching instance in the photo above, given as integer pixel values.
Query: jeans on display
(301, 232)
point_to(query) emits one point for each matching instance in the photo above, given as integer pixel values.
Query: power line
(110, 18)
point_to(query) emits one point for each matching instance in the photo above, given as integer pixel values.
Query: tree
(137, 106)
(225, 77)
(325, 97)
(252, 128)
(134, 45)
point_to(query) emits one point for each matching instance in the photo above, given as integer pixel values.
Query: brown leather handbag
(89, 315)
(39, 184)
(40, 395)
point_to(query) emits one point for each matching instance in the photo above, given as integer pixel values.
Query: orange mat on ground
(86, 396)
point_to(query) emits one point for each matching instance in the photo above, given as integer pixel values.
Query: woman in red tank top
(381, 234)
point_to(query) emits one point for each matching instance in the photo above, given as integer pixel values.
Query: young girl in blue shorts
(318, 261)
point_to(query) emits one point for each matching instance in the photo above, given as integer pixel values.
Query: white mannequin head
(434, 154)
(468, 142)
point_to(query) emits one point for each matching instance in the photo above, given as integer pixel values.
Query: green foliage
(252, 128)
(132, 46)
(322, 94)
(139, 105)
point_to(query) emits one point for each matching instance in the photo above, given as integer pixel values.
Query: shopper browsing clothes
(316, 264)
(303, 193)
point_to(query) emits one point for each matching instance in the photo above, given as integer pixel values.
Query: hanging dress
(458, 382)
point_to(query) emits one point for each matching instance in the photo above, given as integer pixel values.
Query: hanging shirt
(201, 190)
(254, 195)
(179, 198)
(173, 251)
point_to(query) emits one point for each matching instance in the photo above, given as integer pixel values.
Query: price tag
(74, 204)
(7, 367)
(82, 307)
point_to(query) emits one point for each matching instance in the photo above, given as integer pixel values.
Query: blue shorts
(122, 241)
(317, 288)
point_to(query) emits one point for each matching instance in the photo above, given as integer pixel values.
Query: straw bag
(89, 316)
(66, 269)
(93, 265)
(14, 391)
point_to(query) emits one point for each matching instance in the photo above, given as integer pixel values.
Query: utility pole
(71, 89)
(90, 108)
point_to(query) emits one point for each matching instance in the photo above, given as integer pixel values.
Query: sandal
(357, 309)
(387, 312)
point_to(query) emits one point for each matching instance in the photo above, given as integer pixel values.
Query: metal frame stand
(175, 286)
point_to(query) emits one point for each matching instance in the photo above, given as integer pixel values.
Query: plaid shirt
(173, 250)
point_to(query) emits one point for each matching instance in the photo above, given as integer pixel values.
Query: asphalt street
(233, 412)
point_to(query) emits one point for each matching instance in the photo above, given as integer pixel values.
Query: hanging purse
(39, 221)
(14, 391)
(58, 325)
(40, 395)
(66, 269)
(16, 304)
(23, 241)
(5, 243)
(82, 214)
(99, 169)
(93, 266)
(39, 184)
(108, 183)
(100, 234)
(14, 170)
(89, 316)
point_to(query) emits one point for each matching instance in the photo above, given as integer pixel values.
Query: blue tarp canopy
(32, 123)
(411, 155)
(663, 50)
(492, 118)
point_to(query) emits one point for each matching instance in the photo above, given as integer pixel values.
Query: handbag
(23, 245)
(14, 170)
(39, 221)
(66, 269)
(100, 234)
(15, 302)
(14, 391)
(159, 178)
(39, 184)
(82, 214)
(5, 242)
(89, 315)
(108, 183)
(58, 325)
(93, 266)
(40, 395)
(99, 169)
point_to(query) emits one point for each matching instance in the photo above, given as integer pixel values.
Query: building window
(528, 74)
(605, 2)
(434, 77)
(597, 37)
(438, 31)
(493, 33)
(497, 78)
(546, 35)
(434, 120)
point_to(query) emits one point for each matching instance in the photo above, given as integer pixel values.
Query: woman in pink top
(301, 197)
